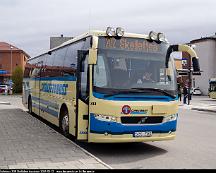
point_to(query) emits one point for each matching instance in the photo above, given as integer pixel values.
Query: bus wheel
(30, 105)
(64, 122)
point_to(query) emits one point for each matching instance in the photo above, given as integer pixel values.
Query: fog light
(119, 32)
(106, 118)
(110, 31)
(153, 35)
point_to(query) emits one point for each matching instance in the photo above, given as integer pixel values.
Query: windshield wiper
(123, 92)
(156, 89)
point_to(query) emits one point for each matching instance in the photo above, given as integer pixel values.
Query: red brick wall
(18, 59)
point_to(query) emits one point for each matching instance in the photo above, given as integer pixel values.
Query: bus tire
(64, 121)
(30, 105)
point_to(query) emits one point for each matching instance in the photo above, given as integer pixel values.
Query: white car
(4, 88)
(196, 91)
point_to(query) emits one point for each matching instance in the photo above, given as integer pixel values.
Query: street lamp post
(11, 47)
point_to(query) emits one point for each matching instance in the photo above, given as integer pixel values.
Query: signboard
(131, 44)
(3, 72)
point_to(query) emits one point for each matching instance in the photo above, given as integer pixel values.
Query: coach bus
(107, 86)
(212, 88)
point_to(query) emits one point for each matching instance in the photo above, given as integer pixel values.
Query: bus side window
(100, 73)
(57, 66)
(70, 61)
(49, 64)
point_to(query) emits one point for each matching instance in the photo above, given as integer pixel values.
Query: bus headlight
(153, 35)
(168, 118)
(110, 31)
(119, 32)
(105, 118)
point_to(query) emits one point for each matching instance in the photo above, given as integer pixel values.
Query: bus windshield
(130, 64)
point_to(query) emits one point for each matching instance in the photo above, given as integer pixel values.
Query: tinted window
(59, 57)
(28, 70)
(49, 65)
(70, 61)
(37, 66)
(43, 62)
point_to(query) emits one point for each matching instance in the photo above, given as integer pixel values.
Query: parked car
(4, 88)
(196, 91)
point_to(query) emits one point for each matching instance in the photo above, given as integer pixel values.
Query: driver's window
(84, 82)
(100, 78)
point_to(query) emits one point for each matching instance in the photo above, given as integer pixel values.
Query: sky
(29, 24)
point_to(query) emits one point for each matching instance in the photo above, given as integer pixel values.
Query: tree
(17, 78)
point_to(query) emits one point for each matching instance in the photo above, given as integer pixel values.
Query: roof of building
(213, 37)
(8, 47)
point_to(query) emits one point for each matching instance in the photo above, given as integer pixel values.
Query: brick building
(10, 58)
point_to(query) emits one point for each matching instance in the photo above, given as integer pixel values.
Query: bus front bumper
(102, 138)
(111, 132)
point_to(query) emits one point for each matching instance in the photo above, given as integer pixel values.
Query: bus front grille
(142, 120)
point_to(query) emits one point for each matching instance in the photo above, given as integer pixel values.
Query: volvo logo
(143, 120)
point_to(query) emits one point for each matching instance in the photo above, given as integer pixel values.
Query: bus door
(36, 96)
(82, 111)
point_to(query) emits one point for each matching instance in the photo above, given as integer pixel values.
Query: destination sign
(129, 44)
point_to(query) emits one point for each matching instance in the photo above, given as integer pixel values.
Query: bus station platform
(28, 143)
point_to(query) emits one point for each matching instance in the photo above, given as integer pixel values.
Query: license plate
(142, 134)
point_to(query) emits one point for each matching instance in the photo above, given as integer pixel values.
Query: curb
(96, 158)
(5, 103)
(203, 109)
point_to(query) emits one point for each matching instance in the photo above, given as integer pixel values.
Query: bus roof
(91, 33)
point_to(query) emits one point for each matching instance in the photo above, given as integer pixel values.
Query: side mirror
(196, 66)
(171, 49)
(82, 66)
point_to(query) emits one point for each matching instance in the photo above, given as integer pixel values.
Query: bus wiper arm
(123, 92)
(156, 89)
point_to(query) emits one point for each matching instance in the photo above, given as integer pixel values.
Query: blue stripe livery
(60, 78)
(45, 109)
(45, 102)
(100, 127)
(134, 97)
